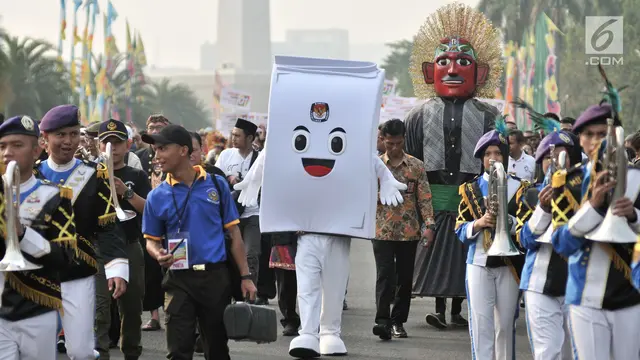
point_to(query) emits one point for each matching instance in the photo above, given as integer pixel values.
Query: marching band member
(100, 246)
(47, 234)
(544, 276)
(635, 267)
(604, 307)
(492, 281)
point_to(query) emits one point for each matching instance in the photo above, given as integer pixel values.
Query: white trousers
(492, 297)
(79, 305)
(604, 334)
(29, 339)
(547, 326)
(322, 270)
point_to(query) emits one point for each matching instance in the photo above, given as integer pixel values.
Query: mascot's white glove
(389, 187)
(252, 182)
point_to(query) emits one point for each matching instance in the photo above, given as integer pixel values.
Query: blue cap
(492, 137)
(556, 138)
(60, 117)
(594, 114)
(113, 128)
(22, 125)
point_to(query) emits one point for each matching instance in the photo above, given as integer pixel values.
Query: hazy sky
(174, 30)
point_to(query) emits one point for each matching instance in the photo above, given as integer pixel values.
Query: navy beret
(60, 117)
(556, 138)
(22, 125)
(492, 137)
(594, 113)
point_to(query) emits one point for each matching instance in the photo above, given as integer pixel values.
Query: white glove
(389, 187)
(251, 184)
(390, 191)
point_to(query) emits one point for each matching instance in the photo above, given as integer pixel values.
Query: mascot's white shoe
(305, 347)
(332, 345)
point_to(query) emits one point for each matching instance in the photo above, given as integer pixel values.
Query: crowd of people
(113, 222)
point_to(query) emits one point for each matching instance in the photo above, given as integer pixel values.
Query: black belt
(209, 266)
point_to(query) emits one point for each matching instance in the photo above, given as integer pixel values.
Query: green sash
(444, 197)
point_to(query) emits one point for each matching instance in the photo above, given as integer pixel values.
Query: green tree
(33, 82)
(178, 103)
(396, 65)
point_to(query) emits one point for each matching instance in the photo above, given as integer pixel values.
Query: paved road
(424, 342)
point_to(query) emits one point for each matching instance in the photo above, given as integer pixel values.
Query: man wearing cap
(101, 246)
(544, 276)
(46, 231)
(492, 281)
(236, 162)
(132, 187)
(155, 123)
(187, 214)
(604, 307)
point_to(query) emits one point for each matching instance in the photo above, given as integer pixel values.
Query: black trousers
(456, 305)
(287, 294)
(394, 268)
(202, 296)
(267, 279)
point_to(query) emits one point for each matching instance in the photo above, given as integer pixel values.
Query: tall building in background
(244, 35)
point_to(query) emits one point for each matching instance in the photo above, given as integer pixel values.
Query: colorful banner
(258, 118)
(75, 39)
(232, 100)
(63, 28)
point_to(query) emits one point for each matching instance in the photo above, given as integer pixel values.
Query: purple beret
(594, 113)
(556, 138)
(60, 117)
(21, 125)
(491, 138)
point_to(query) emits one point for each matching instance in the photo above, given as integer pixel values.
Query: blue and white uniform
(543, 282)
(492, 284)
(604, 307)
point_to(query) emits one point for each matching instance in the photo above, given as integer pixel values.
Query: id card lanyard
(181, 210)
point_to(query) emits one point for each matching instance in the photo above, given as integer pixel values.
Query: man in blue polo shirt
(185, 217)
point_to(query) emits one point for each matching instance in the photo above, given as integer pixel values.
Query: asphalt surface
(424, 342)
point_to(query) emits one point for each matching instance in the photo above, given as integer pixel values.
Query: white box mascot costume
(319, 175)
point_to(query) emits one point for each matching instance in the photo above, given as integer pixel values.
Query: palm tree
(396, 65)
(33, 82)
(178, 103)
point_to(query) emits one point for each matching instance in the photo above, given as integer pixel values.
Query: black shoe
(290, 330)
(382, 331)
(197, 348)
(262, 301)
(458, 320)
(437, 320)
(397, 330)
(344, 305)
(62, 348)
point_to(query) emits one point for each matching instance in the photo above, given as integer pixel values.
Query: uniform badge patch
(319, 112)
(565, 138)
(111, 126)
(212, 196)
(27, 123)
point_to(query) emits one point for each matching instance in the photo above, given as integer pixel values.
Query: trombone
(123, 215)
(13, 259)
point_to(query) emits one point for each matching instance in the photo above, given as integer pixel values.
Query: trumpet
(497, 205)
(616, 229)
(13, 259)
(123, 215)
(561, 164)
(552, 166)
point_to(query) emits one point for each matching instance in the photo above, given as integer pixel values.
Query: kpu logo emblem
(319, 112)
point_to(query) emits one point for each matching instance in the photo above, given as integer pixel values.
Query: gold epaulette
(636, 252)
(66, 192)
(106, 219)
(559, 178)
(102, 171)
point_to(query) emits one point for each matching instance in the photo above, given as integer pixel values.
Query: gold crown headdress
(464, 22)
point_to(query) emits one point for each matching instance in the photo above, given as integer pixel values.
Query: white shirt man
(521, 164)
(233, 164)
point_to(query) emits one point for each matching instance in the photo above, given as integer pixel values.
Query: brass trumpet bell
(13, 259)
